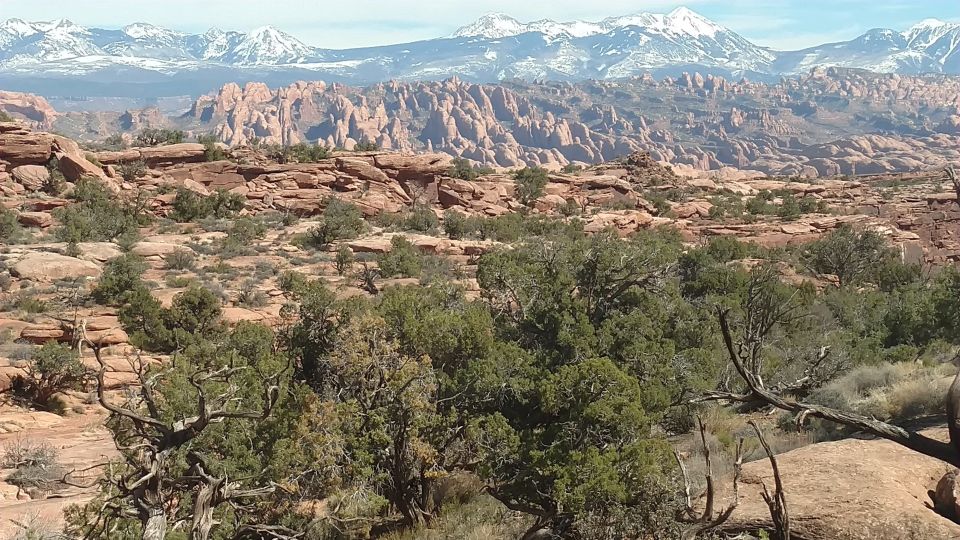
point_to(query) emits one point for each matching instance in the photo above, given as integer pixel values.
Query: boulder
(362, 169)
(35, 219)
(32, 177)
(43, 332)
(157, 249)
(49, 267)
(75, 167)
(946, 498)
(25, 148)
(370, 245)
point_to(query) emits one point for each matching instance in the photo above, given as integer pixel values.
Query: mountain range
(141, 60)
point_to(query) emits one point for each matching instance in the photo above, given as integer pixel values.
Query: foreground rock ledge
(850, 490)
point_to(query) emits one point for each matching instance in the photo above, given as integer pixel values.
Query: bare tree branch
(777, 502)
(706, 521)
(910, 439)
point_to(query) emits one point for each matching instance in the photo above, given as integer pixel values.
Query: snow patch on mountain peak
(686, 21)
(493, 26)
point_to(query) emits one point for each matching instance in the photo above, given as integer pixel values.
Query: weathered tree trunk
(155, 528)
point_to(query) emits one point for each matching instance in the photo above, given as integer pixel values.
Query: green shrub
(852, 255)
(344, 259)
(130, 171)
(190, 206)
(759, 206)
(462, 168)
(52, 369)
(571, 168)
(241, 237)
(9, 226)
(97, 216)
(366, 146)
(530, 182)
(56, 183)
(403, 260)
(193, 317)
(298, 153)
(158, 136)
(455, 224)
(120, 278)
(181, 259)
(340, 221)
(250, 296)
(115, 142)
(29, 303)
(211, 148)
(421, 218)
(4, 117)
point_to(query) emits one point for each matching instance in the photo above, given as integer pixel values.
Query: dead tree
(756, 391)
(764, 310)
(368, 279)
(145, 487)
(701, 522)
(777, 501)
(955, 179)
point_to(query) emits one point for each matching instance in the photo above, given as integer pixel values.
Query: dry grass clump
(480, 518)
(894, 393)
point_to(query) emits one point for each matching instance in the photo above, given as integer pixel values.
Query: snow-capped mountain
(267, 46)
(930, 46)
(679, 22)
(60, 57)
(34, 43)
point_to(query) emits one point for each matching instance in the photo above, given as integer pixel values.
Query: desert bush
(340, 221)
(529, 182)
(35, 465)
(298, 153)
(455, 224)
(193, 317)
(190, 206)
(130, 171)
(56, 183)
(97, 216)
(51, 369)
(344, 259)
(463, 169)
(28, 303)
(403, 259)
(158, 136)
(4, 117)
(211, 148)
(9, 226)
(251, 296)
(421, 218)
(120, 277)
(366, 146)
(241, 236)
(849, 254)
(181, 259)
(114, 142)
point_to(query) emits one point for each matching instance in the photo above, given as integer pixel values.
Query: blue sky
(783, 24)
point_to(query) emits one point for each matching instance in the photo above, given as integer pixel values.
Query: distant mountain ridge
(57, 56)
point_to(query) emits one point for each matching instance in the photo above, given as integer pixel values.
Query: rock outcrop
(50, 267)
(797, 127)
